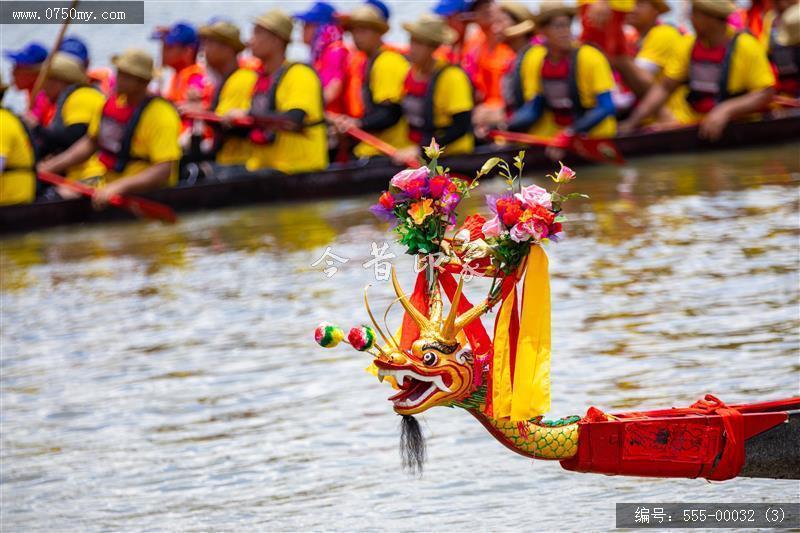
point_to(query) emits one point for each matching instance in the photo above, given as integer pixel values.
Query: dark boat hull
(363, 177)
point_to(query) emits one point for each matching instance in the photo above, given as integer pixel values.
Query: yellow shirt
(236, 94)
(386, 79)
(81, 107)
(749, 71)
(305, 151)
(453, 95)
(529, 70)
(155, 140)
(16, 186)
(594, 77)
(657, 48)
(624, 6)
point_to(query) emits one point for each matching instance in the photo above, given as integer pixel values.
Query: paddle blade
(601, 150)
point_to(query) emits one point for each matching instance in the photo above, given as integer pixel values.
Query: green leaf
(572, 195)
(488, 166)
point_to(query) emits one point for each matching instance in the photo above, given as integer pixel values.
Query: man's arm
(714, 123)
(656, 97)
(151, 178)
(75, 155)
(636, 77)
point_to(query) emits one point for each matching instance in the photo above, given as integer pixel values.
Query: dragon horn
(421, 320)
(448, 330)
(463, 320)
(387, 340)
(436, 307)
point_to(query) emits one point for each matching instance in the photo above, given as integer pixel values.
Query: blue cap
(76, 47)
(180, 33)
(320, 13)
(32, 54)
(445, 8)
(383, 8)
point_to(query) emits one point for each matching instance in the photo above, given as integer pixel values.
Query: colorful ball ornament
(362, 339)
(328, 336)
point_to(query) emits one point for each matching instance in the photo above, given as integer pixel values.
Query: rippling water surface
(166, 377)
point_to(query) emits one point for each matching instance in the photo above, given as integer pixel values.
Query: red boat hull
(688, 443)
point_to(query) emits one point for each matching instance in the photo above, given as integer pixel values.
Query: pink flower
(492, 227)
(531, 228)
(403, 179)
(534, 195)
(565, 174)
(439, 185)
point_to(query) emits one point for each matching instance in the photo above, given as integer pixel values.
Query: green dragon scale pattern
(537, 438)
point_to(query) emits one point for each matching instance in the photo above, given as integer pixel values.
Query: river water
(167, 377)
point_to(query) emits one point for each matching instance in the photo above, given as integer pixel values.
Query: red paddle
(601, 150)
(137, 206)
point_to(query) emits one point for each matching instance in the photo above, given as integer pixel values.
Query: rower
(289, 95)
(378, 87)
(437, 99)
(728, 74)
(179, 46)
(17, 158)
(233, 89)
(27, 62)
(486, 57)
(572, 85)
(101, 78)
(77, 105)
(784, 47)
(457, 15)
(603, 24)
(329, 55)
(518, 28)
(655, 48)
(136, 135)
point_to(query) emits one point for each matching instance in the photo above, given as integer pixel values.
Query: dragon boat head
(438, 369)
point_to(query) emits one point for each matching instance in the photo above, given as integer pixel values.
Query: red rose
(439, 185)
(509, 210)
(542, 213)
(555, 228)
(386, 200)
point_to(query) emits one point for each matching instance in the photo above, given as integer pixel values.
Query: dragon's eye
(429, 359)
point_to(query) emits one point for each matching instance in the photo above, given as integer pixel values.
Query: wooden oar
(44, 71)
(602, 150)
(379, 144)
(786, 101)
(138, 206)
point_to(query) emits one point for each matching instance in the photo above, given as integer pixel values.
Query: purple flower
(384, 213)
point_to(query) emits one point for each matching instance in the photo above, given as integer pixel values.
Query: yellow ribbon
(530, 395)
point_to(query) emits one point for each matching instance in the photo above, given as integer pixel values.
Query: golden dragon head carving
(438, 369)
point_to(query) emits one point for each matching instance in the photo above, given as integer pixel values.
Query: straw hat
(136, 62)
(553, 8)
(431, 29)
(523, 18)
(721, 9)
(366, 16)
(66, 67)
(518, 12)
(789, 30)
(278, 22)
(223, 32)
(526, 27)
(660, 5)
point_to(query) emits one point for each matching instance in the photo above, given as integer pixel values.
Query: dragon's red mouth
(415, 388)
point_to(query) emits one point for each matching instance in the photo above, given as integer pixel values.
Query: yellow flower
(419, 211)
